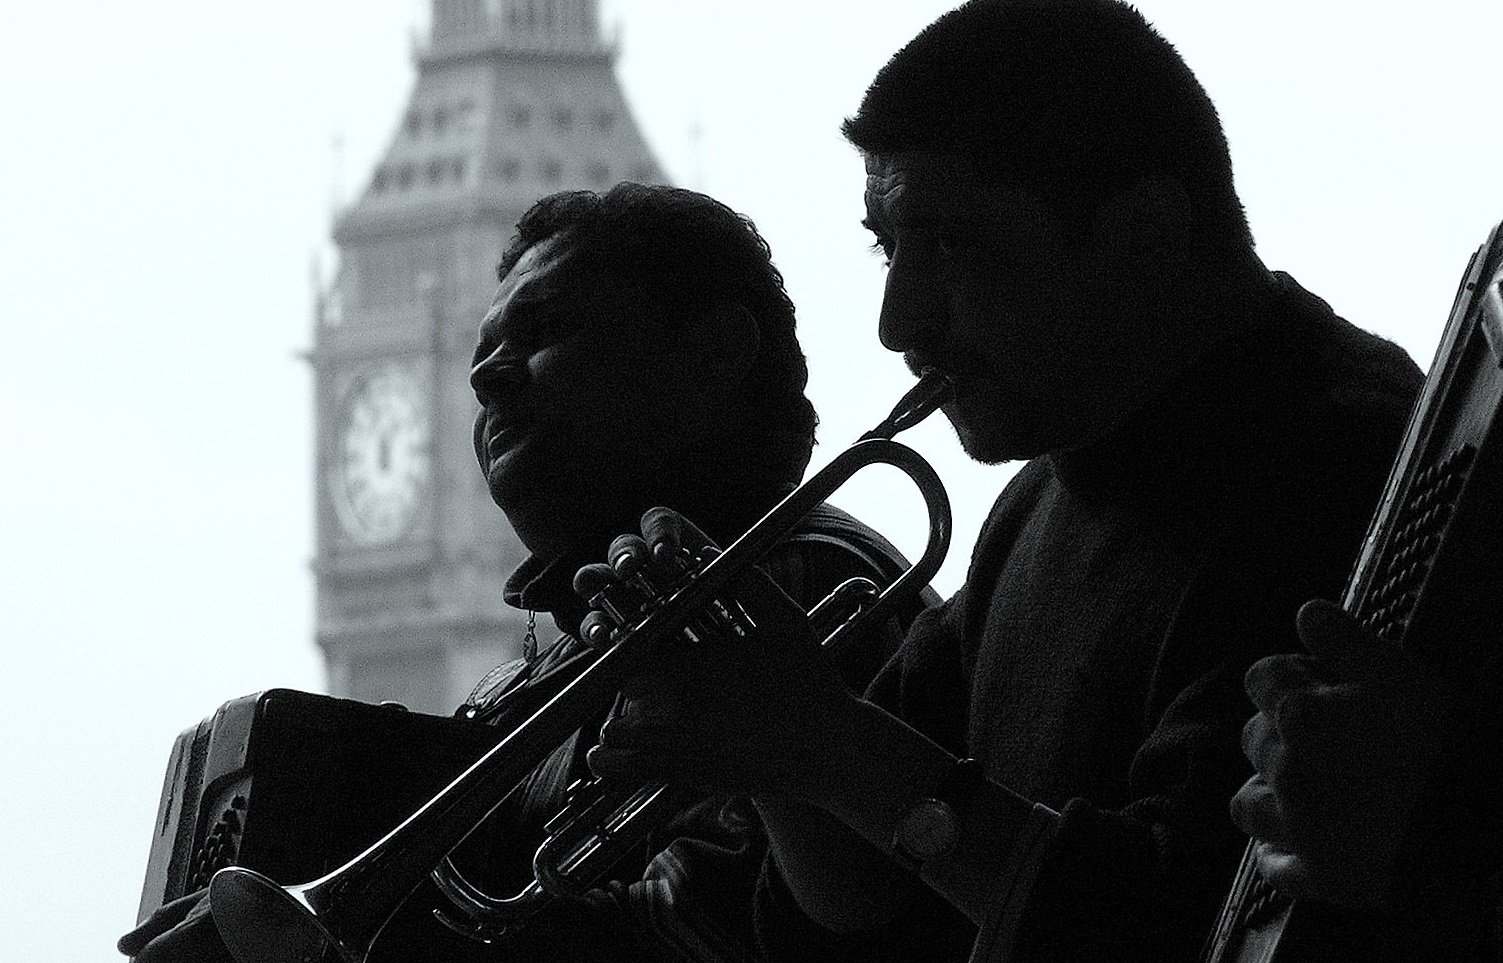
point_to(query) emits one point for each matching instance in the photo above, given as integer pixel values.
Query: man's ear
(1147, 227)
(722, 341)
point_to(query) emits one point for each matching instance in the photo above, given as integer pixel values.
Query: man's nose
(503, 368)
(907, 319)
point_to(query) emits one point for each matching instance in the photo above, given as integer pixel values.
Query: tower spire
(543, 25)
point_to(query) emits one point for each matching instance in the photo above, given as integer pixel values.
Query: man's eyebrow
(922, 218)
(498, 324)
(488, 322)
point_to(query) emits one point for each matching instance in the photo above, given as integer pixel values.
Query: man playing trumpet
(1043, 773)
(640, 350)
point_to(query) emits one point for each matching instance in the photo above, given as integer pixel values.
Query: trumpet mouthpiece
(933, 390)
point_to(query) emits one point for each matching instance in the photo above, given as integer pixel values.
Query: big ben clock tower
(513, 99)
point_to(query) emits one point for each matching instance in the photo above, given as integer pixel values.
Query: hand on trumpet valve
(731, 704)
(623, 590)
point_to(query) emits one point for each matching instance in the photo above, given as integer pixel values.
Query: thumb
(1341, 643)
(164, 918)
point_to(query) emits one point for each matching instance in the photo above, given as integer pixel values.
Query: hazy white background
(169, 171)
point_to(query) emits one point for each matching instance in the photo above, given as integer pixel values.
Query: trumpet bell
(263, 922)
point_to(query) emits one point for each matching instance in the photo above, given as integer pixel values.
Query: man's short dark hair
(1072, 100)
(684, 252)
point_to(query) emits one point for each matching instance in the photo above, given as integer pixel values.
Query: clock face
(381, 467)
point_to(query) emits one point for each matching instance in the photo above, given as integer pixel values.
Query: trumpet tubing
(340, 914)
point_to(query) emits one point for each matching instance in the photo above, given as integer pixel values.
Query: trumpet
(339, 915)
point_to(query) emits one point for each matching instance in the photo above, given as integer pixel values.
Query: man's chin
(557, 517)
(995, 447)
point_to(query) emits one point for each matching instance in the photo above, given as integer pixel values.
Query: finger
(653, 725)
(1306, 877)
(612, 762)
(628, 555)
(1257, 811)
(596, 629)
(1340, 642)
(164, 918)
(1261, 744)
(628, 729)
(645, 765)
(1295, 717)
(590, 580)
(1285, 871)
(615, 603)
(1272, 678)
(640, 751)
(651, 711)
(649, 701)
(687, 766)
(195, 942)
(666, 531)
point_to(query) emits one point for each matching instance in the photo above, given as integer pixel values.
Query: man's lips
(918, 362)
(501, 439)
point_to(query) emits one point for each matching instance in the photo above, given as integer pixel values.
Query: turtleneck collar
(1206, 423)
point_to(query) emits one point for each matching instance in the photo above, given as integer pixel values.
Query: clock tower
(513, 99)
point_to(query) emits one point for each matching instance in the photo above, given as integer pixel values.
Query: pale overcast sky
(168, 176)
